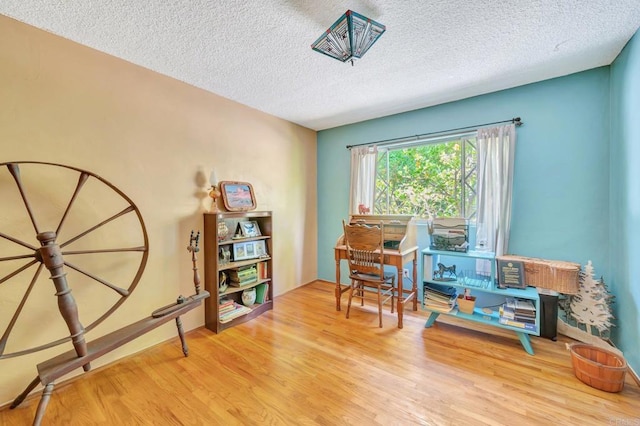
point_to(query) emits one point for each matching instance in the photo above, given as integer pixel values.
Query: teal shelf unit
(479, 284)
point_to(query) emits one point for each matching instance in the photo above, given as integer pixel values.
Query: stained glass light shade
(349, 37)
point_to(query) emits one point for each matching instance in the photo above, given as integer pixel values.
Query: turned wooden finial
(193, 248)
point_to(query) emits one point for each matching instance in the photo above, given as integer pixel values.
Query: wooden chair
(365, 244)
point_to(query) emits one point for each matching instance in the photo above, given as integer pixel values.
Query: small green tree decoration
(591, 307)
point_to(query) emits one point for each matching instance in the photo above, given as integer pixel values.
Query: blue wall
(577, 179)
(561, 186)
(625, 199)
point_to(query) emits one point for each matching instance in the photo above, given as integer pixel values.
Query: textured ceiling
(258, 52)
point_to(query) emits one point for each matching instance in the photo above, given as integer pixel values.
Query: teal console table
(465, 277)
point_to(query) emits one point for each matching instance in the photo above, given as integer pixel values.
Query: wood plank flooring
(305, 364)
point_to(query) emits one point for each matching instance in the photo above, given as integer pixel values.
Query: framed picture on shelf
(249, 229)
(510, 273)
(249, 250)
(237, 196)
(261, 248)
(240, 252)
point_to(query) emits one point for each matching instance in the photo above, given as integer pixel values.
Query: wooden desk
(400, 247)
(394, 258)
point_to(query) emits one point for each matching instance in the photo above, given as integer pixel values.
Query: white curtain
(363, 177)
(496, 149)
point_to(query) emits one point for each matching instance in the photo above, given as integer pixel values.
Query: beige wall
(154, 138)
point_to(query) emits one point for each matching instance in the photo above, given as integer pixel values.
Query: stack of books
(441, 298)
(244, 275)
(263, 270)
(519, 313)
(229, 310)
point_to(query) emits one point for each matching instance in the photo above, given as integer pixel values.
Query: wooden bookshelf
(215, 264)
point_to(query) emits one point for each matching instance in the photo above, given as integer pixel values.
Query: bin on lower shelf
(466, 305)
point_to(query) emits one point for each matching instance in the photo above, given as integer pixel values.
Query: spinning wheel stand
(52, 255)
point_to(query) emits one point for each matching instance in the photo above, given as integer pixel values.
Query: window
(432, 177)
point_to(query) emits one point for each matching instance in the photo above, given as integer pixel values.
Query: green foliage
(426, 180)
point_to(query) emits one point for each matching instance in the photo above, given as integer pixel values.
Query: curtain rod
(515, 120)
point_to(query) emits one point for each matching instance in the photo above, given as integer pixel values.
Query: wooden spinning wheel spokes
(53, 256)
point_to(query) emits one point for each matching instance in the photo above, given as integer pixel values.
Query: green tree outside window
(435, 179)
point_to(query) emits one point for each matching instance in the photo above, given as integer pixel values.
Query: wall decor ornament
(214, 192)
(445, 273)
(223, 282)
(223, 231)
(224, 255)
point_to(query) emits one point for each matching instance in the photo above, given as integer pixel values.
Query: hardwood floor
(305, 364)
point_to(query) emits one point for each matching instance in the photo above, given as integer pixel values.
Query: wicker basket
(550, 274)
(598, 367)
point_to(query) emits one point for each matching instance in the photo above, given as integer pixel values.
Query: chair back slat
(364, 245)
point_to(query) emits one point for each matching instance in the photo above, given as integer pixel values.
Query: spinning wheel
(47, 220)
(86, 249)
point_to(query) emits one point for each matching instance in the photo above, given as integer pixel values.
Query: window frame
(467, 172)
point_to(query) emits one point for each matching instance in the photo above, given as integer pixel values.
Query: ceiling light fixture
(349, 37)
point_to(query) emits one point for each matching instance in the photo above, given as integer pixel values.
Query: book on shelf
(441, 293)
(261, 292)
(518, 324)
(435, 302)
(506, 312)
(440, 303)
(440, 308)
(510, 303)
(236, 311)
(263, 272)
(440, 289)
(226, 307)
(225, 302)
(528, 320)
(518, 310)
(243, 271)
(453, 310)
(244, 275)
(243, 282)
(531, 314)
(225, 311)
(439, 298)
(520, 305)
(525, 311)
